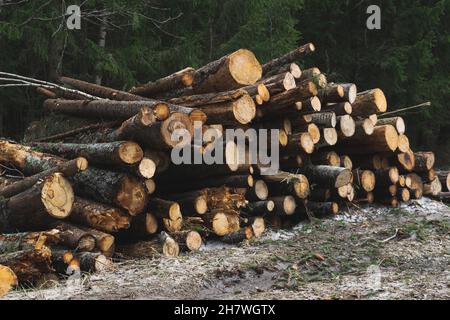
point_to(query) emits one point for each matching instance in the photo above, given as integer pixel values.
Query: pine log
(188, 240)
(142, 226)
(258, 92)
(178, 80)
(284, 205)
(279, 83)
(350, 92)
(28, 265)
(222, 223)
(325, 119)
(383, 139)
(106, 109)
(308, 107)
(316, 76)
(288, 58)
(284, 183)
(369, 102)
(329, 137)
(26, 160)
(233, 71)
(191, 203)
(68, 169)
(363, 128)
(424, 161)
(292, 68)
(169, 212)
(327, 176)
(112, 188)
(99, 216)
(299, 143)
(340, 109)
(8, 280)
(162, 245)
(365, 179)
(112, 153)
(50, 198)
(397, 122)
(99, 91)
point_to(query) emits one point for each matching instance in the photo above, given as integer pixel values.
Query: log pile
(75, 199)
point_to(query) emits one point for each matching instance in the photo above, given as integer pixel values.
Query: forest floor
(366, 253)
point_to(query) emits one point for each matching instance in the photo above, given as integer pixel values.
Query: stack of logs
(71, 201)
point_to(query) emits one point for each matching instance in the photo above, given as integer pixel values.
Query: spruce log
(233, 71)
(350, 92)
(340, 109)
(397, 122)
(327, 176)
(299, 143)
(112, 153)
(308, 107)
(332, 93)
(68, 169)
(346, 125)
(284, 205)
(329, 137)
(162, 245)
(290, 57)
(8, 280)
(122, 190)
(50, 198)
(369, 102)
(292, 68)
(363, 128)
(325, 119)
(365, 179)
(99, 216)
(106, 109)
(169, 212)
(178, 80)
(424, 161)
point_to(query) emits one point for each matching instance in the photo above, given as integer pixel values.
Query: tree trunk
(299, 143)
(284, 205)
(340, 109)
(292, 68)
(288, 58)
(279, 83)
(162, 245)
(383, 139)
(324, 119)
(288, 183)
(68, 169)
(93, 262)
(327, 176)
(188, 240)
(397, 122)
(99, 216)
(235, 70)
(261, 208)
(33, 209)
(332, 93)
(178, 80)
(169, 212)
(365, 179)
(112, 188)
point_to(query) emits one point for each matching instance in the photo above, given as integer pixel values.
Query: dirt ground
(364, 253)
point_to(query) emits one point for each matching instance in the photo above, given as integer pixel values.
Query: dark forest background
(409, 58)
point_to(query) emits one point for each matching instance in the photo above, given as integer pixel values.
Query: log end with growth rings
(174, 221)
(193, 241)
(244, 109)
(147, 168)
(57, 196)
(8, 279)
(130, 152)
(244, 67)
(132, 195)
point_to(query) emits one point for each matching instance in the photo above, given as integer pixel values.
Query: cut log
(233, 71)
(178, 80)
(406, 160)
(28, 161)
(424, 161)
(329, 137)
(325, 119)
(323, 209)
(8, 280)
(401, 181)
(414, 182)
(284, 183)
(106, 109)
(290, 57)
(222, 223)
(142, 226)
(350, 92)
(346, 162)
(28, 265)
(332, 93)
(328, 158)
(99, 216)
(299, 143)
(308, 107)
(74, 237)
(169, 212)
(237, 236)
(314, 75)
(293, 68)
(444, 177)
(386, 177)
(432, 188)
(403, 143)
(261, 208)
(294, 162)
(279, 83)
(365, 179)
(363, 128)
(162, 245)
(367, 162)
(112, 188)
(320, 195)
(340, 109)
(50, 198)
(28, 240)
(99, 91)
(383, 139)
(93, 262)
(369, 102)
(397, 122)
(260, 191)
(346, 125)
(284, 205)
(188, 240)
(327, 176)
(68, 169)
(191, 203)
(113, 153)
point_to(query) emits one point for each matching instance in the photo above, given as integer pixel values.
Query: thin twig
(425, 104)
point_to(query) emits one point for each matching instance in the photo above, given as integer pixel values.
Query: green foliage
(408, 58)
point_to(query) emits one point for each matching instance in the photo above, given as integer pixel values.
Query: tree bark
(292, 68)
(327, 176)
(340, 109)
(162, 245)
(369, 102)
(290, 57)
